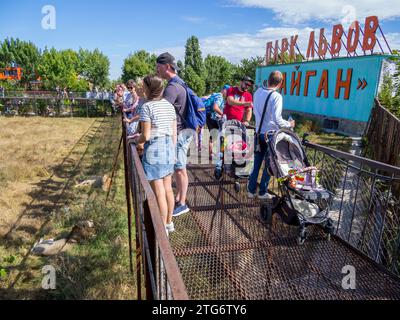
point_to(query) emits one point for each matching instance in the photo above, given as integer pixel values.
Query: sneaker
(170, 227)
(250, 195)
(265, 196)
(180, 209)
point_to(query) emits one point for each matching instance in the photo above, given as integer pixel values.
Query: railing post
(151, 243)
(128, 196)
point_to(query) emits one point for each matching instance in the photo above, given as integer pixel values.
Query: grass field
(41, 161)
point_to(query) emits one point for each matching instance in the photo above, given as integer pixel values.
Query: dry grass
(42, 160)
(30, 149)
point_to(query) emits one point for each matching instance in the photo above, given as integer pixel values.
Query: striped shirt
(161, 114)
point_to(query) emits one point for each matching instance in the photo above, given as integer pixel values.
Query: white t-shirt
(161, 114)
(273, 116)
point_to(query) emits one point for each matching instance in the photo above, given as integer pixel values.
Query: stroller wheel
(328, 237)
(218, 173)
(302, 235)
(329, 228)
(266, 214)
(300, 241)
(237, 187)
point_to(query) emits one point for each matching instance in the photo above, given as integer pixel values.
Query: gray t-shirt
(175, 94)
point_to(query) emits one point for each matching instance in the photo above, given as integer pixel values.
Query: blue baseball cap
(226, 87)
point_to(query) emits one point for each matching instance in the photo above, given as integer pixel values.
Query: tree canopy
(56, 68)
(138, 64)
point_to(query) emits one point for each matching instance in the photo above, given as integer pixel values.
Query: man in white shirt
(272, 121)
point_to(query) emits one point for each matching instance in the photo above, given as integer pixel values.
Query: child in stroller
(232, 151)
(303, 201)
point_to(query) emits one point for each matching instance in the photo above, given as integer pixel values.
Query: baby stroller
(233, 149)
(303, 201)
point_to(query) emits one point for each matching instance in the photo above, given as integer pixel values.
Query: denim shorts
(158, 157)
(182, 148)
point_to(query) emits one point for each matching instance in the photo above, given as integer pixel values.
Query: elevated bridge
(223, 250)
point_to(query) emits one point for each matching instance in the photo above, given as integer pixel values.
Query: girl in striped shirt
(158, 126)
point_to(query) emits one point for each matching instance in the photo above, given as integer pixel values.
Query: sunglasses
(130, 88)
(248, 84)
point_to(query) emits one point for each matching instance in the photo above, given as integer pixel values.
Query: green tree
(23, 53)
(61, 68)
(181, 66)
(386, 94)
(138, 64)
(194, 81)
(389, 94)
(219, 71)
(94, 67)
(247, 67)
(194, 73)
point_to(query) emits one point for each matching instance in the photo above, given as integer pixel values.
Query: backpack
(195, 109)
(208, 103)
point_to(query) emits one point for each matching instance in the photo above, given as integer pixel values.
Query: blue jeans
(259, 157)
(182, 147)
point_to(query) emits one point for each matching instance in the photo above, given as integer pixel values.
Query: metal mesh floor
(225, 251)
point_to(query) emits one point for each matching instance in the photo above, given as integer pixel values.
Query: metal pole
(128, 197)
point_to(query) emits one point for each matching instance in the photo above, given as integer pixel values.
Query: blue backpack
(195, 109)
(209, 103)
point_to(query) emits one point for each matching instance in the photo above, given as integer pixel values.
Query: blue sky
(235, 29)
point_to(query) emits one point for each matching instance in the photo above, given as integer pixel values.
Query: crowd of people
(155, 108)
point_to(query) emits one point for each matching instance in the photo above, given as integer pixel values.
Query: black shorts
(211, 124)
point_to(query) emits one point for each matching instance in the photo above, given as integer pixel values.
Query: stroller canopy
(287, 152)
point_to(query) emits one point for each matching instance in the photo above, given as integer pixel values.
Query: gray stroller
(303, 201)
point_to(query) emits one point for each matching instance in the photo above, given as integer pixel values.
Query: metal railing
(54, 107)
(365, 206)
(41, 94)
(155, 259)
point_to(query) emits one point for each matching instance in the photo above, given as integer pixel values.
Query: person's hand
(140, 148)
(246, 123)
(292, 123)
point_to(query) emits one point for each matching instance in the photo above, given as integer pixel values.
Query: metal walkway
(223, 250)
(227, 252)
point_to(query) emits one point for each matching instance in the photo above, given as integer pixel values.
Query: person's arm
(233, 102)
(174, 133)
(145, 125)
(133, 119)
(278, 114)
(217, 110)
(247, 116)
(249, 109)
(170, 94)
(146, 131)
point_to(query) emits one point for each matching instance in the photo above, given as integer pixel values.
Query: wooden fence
(383, 136)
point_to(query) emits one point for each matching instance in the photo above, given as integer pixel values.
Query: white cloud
(393, 39)
(237, 46)
(294, 12)
(192, 19)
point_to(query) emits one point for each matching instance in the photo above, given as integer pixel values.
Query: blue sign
(340, 88)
